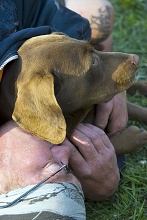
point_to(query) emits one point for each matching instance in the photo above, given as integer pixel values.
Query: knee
(102, 19)
(100, 14)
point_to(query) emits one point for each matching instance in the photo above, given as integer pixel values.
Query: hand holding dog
(94, 162)
(112, 116)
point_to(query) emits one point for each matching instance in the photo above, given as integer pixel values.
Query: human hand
(93, 161)
(26, 159)
(112, 116)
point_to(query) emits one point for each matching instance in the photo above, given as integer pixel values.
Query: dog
(57, 80)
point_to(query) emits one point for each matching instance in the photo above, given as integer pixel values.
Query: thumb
(103, 112)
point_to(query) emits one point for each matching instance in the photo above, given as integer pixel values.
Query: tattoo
(101, 22)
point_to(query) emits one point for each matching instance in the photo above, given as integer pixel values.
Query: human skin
(26, 160)
(100, 14)
(112, 116)
(94, 162)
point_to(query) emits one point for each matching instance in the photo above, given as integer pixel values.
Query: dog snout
(125, 72)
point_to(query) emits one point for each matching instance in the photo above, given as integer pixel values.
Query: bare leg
(137, 113)
(140, 86)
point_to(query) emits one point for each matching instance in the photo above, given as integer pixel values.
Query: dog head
(61, 75)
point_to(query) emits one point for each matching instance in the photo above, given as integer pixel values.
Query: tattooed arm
(101, 17)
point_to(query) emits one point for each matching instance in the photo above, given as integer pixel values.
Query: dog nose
(134, 59)
(125, 73)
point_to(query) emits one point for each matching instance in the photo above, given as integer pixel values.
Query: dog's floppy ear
(36, 109)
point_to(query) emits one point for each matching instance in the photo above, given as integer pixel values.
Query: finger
(88, 142)
(76, 161)
(102, 135)
(116, 124)
(98, 137)
(103, 112)
(119, 115)
(82, 142)
(76, 157)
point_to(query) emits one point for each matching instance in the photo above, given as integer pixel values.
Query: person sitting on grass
(27, 160)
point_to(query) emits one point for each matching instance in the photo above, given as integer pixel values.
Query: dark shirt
(23, 19)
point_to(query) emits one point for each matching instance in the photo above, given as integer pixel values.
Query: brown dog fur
(56, 81)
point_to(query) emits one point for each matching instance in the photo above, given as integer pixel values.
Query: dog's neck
(7, 90)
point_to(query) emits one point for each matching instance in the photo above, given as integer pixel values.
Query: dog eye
(94, 60)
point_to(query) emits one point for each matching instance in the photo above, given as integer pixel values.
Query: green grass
(130, 201)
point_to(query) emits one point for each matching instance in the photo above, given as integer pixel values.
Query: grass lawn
(130, 201)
